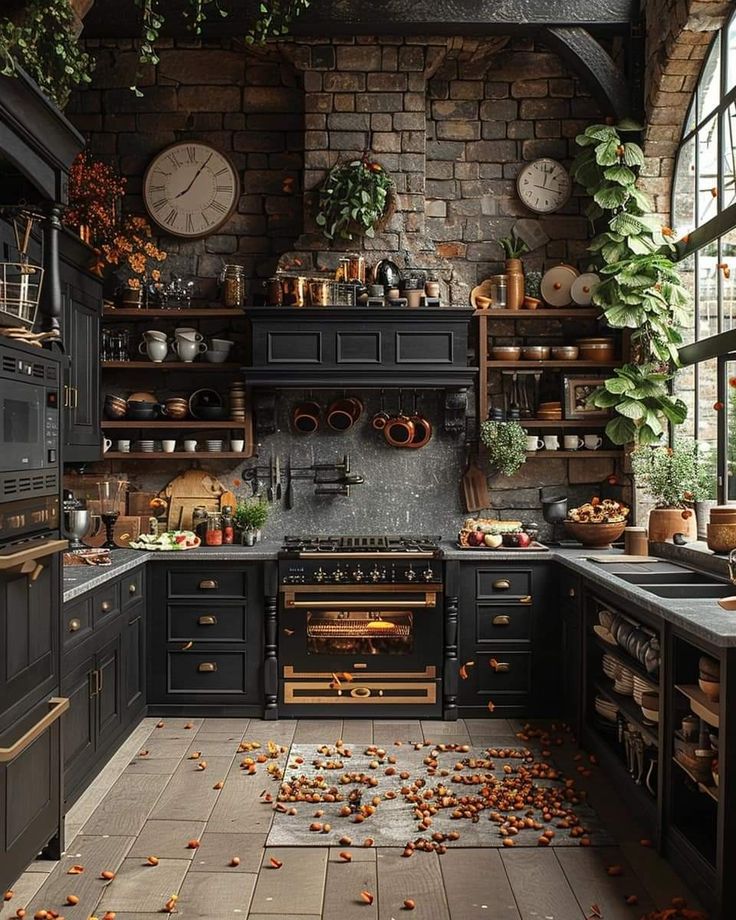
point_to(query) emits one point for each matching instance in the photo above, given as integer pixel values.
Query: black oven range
(361, 626)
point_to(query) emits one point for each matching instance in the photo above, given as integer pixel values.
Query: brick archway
(678, 35)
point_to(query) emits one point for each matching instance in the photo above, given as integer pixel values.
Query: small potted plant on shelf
(514, 247)
(250, 516)
(506, 445)
(670, 476)
(532, 290)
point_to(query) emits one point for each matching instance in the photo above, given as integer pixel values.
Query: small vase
(249, 537)
(133, 298)
(664, 523)
(702, 515)
(514, 284)
(531, 303)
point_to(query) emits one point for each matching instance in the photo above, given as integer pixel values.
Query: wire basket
(20, 290)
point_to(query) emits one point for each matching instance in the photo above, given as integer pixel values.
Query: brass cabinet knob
(526, 599)
(207, 620)
(502, 667)
(207, 667)
(209, 584)
(106, 606)
(132, 588)
(571, 592)
(501, 584)
(501, 620)
(74, 625)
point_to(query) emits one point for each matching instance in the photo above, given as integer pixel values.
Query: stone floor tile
(140, 887)
(167, 839)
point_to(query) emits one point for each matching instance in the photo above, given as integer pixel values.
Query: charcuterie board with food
(491, 534)
(169, 541)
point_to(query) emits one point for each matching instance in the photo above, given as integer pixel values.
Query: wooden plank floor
(154, 803)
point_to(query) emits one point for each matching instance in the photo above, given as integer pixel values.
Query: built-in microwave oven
(29, 422)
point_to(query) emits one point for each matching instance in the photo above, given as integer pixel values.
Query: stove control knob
(338, 575)
(410, 574)
(428, 574)
(375, 575)
(358, 574)
(320, 575)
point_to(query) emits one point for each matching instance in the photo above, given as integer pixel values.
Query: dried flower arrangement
(95, 191)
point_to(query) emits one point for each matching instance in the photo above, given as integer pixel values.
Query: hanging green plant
(355, 199)
(506, 444)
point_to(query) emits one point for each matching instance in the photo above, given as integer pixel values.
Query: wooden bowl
(595, 534)
(721, 538)
(711, 688)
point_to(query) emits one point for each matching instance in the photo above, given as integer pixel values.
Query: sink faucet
(732, 566)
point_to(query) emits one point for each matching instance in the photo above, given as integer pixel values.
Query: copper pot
(399, 429)
(305, 417)
(422, 428)
(344, 413)
(381, 417)
(294, 291)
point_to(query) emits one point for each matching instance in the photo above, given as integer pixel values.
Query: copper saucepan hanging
(381, 417)
(305, 417)
(399, 429)
(422, 428)
(344, 413)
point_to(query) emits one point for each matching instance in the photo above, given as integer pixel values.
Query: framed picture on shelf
(576, 393)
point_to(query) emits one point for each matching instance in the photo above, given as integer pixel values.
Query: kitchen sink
(690, 591)
(678, 582)
(683, 577)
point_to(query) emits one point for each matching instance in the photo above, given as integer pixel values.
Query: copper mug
(305, 417)
(344, 413)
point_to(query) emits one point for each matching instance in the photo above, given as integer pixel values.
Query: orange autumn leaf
(75, 870)
(275, 863)
(366, 897)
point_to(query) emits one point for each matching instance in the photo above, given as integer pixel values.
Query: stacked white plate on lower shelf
(606, 709)
(146, 447)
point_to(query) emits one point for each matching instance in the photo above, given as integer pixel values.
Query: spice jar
(274, 296)
(498, 285)
(213, 534)
(432, 288)
(228, 529)
(199, 521)
(233, 286)
(356, 268)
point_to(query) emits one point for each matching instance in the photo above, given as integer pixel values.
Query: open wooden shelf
(710, 791)
(576, 454)
(169, 366)
(629, 708)
(706, 709)
(554, 365)
(182, 423)
(564, 423)
(178, 455)
(562, 313)
(194, 313)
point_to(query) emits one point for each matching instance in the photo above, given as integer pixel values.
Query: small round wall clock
(190, 189)
(544, 185)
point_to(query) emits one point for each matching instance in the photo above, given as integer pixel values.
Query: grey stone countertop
(700, 617)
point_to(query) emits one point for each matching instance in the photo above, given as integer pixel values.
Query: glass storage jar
(233, 286)
(213, 534)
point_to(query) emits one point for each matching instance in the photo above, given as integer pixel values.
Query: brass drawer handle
(132, 588)
(502, 584)
(207, 620)
(207, 667)
(501, 667)
(74, 625)
(526, 599)
(209, 584)
(360, 693)
(95, 680)
(501, 620)
(106, 606)
(59, 705)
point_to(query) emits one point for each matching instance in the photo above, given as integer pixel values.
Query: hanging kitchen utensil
(422, 428)
(399, 429)
(475, 486)
(277, 484)
(289, 497)
(271, 479)
(20, 282)
(381, 417)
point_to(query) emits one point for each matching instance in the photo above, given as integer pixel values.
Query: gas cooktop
(373, 545)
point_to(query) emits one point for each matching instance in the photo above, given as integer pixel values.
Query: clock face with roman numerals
(544, 185)
(190, 189)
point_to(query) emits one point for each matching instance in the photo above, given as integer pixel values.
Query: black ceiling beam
(121, 18)
(583, 54)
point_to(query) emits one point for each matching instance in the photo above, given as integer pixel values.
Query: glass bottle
(233, 287)
(228, 529)
(199, 521)
(213, 534)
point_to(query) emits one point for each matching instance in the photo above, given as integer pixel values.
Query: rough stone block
(346, 140)
(345, 82)
(388, 142)
(379, 102)
(389, 59)
(366, 57)
(209, 98)
(491, 151)
(439, 169)
(259, 141)
(454, 109)
(413, 141)
(466, 89)
(414, 102)
(458, 130)
(272, 99)
(381, 122)
(199, 66)
(446, 150)
(344, 102)
(436, 208)
(525, 89)
(322, 57)
(318, 102)
(549, 129)
(544, 108)
(494, 130)
(387, 82)
(155, 99)
(411, 58)
(444, 189)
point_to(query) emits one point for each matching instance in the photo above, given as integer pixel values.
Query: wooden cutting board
(139, 503)
(186, 491)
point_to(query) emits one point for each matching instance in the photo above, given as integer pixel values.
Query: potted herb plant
(355, 199)
(249, 517)
(514, 247)
(532, 290)
(506, 444)
(670, 476)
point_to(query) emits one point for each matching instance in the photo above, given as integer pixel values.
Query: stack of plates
(606, 709)
(611, 667)
(146, 447)
(604, 634)
(624, 682)
(650, 706)
(237, 402)
(214, 446)
(642, 686)
(550, 410)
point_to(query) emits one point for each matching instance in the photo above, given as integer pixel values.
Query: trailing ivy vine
(641, 288)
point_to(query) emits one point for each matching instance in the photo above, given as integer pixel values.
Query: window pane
(686, 270)
(690, 120)
(708, 292)
(683, 192)
(709, 88)
(728, 280)
(731, 55)
(728, 129)
(707, 432)
(731, 431)
(707, 171)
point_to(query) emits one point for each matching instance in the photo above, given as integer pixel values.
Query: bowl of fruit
(488, 533)
(598, 522)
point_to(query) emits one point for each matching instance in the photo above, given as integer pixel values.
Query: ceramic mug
(155, 349)
(168, 446)
(237, 446)
(533, 442)
(592, 441)
(188, 350)
(124, 447)
(551, 442)
(153, 335)
(573, 442)
(106, 445)
(187, 332)
(190, 446)
(221, 344)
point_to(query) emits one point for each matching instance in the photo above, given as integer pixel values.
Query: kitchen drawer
(77, 623)
(516, 677)
(131, 587)
(206, 623)
(503, 583)
(206, 582)
(105, 604)
(507, 623)
(208, 673)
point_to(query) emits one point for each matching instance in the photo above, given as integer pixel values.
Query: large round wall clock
(544, 185)
(190, 189)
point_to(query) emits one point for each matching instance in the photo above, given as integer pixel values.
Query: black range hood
(351, 346)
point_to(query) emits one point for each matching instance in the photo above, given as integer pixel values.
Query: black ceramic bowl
(210, 413)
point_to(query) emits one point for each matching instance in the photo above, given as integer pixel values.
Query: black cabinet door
(82, 299)
(109, 690)
(79, 724)
(134, 663)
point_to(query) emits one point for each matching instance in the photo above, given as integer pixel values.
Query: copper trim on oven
(290, 672)
(363, 588)
(367, 555)
(429, 694)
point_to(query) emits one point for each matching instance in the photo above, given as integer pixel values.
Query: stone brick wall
(250, 107)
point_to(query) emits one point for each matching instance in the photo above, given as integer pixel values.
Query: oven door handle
(22, 557)
(59, 705)
(290, 602)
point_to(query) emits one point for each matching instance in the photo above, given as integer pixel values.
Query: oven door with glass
(358, 645)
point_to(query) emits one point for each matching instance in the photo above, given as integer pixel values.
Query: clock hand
(194, 178)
